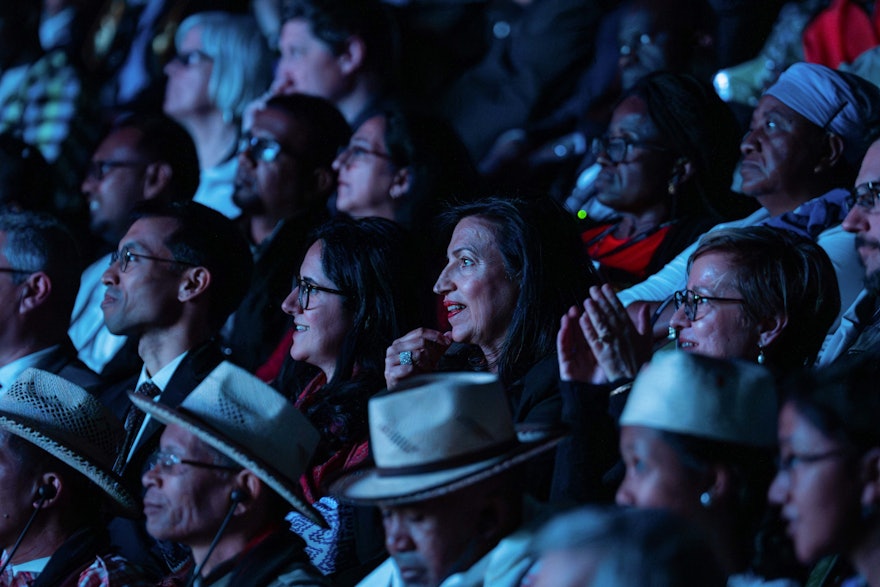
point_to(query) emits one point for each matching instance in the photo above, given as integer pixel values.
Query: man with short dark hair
(142, 158)
(39, 278)
(283, 182)
(178, 273)
(234, 449)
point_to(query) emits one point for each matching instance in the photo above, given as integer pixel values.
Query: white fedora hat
(726, 400)
(71, 425)
(249, 422)
(437, 434)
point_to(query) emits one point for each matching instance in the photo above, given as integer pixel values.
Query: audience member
(40, 266)
(447, 483)
(58, 444)
(625, 547)
(222, 63)
(512, 268)
(666, 166)
(403, 166)
(354, 294)
(181, 269)
(282, 185)
(827, 482)
(219, 485)
(340, 50)
(809, 132)
(858, 331)
(142, 158)
(697, 438)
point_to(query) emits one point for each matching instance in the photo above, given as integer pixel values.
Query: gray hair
(632, 547)
(242, 62)
(39, 242)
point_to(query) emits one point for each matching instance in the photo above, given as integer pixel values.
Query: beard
(872, 283)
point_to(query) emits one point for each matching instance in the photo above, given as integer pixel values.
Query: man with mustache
(859, 329)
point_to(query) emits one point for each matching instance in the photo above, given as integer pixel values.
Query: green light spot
(582, 214)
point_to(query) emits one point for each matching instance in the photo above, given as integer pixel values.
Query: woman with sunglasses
(666, 167)
(353, 295)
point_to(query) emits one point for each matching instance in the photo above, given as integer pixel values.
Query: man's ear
(157, 176)
(832, 152)
(48, 491)
(250, 489)
(352, 57)
(193, 282)
(35, 292)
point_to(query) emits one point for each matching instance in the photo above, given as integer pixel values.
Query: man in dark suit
(39, 278)
(180, 270)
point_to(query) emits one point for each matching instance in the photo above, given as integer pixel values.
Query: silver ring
(405, 358)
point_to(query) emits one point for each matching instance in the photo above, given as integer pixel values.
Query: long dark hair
(370, 260)
(543, 253)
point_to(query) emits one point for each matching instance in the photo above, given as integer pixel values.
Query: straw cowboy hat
(249, 422)
(437, 434)
(71, 425)
(718, 399)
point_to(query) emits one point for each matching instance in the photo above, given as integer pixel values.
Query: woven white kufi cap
(725, 400)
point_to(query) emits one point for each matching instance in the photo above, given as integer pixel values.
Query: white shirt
(10, 372)
(160, 380)
(95, 344)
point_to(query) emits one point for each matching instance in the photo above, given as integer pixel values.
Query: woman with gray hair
(222, 63)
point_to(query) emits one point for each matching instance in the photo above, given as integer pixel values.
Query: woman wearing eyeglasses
(222, 63)
(354, 294)
(827, 485)
(666, 167)
(758, 293)
(403, 166)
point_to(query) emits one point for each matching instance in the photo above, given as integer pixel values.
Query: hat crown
(65, 413)
(251, 414)
(440, 419)
(716, 399)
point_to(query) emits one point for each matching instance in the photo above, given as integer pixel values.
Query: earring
(671, 187)
(760, 354)
(706, 499)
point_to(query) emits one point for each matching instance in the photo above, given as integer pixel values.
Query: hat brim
(104, 478)
(372, 487)
(240, 454)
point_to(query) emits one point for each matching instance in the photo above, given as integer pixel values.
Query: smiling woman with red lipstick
(512, 267)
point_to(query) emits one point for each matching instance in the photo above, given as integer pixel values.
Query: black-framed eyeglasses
(166, 461)
(794, 460)
(191, 58)
(98, 170)
(351, 153)
(260, 148)
(864, 196)
(617, 148)
(305, 289)
(692, 301)
(124, 256)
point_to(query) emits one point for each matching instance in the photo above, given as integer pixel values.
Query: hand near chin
(576, 360)
(417, 352)
(619, 345)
